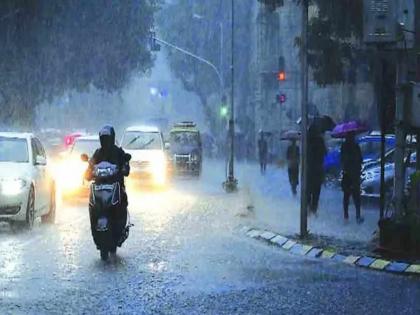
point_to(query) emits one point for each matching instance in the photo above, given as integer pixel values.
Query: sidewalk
(275, 209)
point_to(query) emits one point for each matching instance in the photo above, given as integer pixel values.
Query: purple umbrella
(344, 129)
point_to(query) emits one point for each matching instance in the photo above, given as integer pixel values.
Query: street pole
(221, 49)
(380, 104)
(218, 72)
(192, 55)
(400, 134)
(304, 109)
(231, 183)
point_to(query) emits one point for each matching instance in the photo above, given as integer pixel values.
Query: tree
(197, 25)
(335, 33)
(336, 54)
(50, 47)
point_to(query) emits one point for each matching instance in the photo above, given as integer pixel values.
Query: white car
(148, 158)
(27, 190)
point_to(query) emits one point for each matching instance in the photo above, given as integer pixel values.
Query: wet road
(185, 255)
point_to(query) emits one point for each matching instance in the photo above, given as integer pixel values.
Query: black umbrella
(320, 123)
(325, 123)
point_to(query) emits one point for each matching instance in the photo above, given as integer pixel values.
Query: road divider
(298, 248)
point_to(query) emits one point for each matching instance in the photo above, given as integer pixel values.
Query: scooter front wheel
(104, 254)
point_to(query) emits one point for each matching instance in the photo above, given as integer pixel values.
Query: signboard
(380, 21)
(389, 22)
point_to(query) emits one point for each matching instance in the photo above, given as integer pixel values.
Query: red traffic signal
(281, 76)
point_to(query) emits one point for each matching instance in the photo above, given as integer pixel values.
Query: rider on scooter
(113, 154)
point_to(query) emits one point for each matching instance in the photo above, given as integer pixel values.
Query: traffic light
(281, 74)
(224, 111)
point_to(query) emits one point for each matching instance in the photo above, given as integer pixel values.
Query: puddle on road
(158, 267)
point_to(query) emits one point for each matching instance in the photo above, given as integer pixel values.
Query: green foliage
(49, 47)
(334, 37)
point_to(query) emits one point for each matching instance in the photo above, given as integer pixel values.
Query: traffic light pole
(196, 57)
(231, 183)
(304, 109)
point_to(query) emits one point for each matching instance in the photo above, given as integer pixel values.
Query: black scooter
(104, 201)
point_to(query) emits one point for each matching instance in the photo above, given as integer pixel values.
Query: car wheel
(49, 218)
(30, 210)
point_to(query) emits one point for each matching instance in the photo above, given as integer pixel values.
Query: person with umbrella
(351, 163)
(316, 154)
(293, 158)
(262, 152)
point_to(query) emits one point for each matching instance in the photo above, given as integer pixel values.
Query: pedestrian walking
(316, 154)
(293, 158)
(262, 152)
(351, 162)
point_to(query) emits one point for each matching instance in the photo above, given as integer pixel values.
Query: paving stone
(306, 249)
(351, 259)
(289, 244)
(279, 240)
(339, 258)
(397, 267)
(327, 254)
(296, 249)
(267, 235)
(254, 233)
(413, 269)
(365, 261)
(314, 252)
(379, 264)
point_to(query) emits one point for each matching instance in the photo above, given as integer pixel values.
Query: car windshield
(185, 138)
(138, 140)
(14, 150)
(85, 146)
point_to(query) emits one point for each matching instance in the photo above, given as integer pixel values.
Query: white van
(146, 146)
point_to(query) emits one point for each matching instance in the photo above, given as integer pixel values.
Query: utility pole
(231, 183)
(400, 133)
(304, 110)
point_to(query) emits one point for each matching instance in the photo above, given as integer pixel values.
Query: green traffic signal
(223, 111)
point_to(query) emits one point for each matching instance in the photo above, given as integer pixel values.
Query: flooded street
(184, 255)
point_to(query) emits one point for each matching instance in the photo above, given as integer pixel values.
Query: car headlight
(70, 174)
(159, 169)
(12, 187)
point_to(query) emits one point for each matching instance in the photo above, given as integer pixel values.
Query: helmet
(107, 137)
